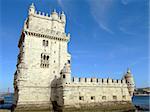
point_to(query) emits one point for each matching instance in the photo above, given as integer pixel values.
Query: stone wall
(92, 90)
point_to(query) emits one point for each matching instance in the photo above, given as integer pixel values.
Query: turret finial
(32, 5)
(32, 9)
(62, 12)
(54, 10)
(129, 71)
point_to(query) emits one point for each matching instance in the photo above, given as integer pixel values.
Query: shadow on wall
(54, 95)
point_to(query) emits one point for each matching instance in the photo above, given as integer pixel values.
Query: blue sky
(107, 37)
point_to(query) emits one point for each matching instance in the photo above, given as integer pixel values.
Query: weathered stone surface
(101, 107)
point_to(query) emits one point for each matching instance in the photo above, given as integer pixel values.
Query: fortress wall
(87, 94)
(93, 90)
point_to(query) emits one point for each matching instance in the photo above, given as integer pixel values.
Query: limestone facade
(43, 74)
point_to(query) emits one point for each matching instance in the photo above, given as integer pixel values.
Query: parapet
(105, 81)
(60, 16)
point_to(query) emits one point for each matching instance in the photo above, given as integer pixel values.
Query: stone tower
(130, 82)
(43, 54)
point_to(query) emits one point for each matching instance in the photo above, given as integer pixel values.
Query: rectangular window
(92, 97)
(114, 97)
(45, 43)
(64, 76)
(123, 97)
(81, 98)
(103, 97)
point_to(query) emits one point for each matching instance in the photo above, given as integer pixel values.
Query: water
(142, 101)
(8, 101)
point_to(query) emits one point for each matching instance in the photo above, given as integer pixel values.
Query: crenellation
(119, 81)
(124, 81)
(104, 81)
(43, 14)
(109, 81)
(76, 79)
(114, 81)
(39, 12)
(47, 15)
(82, 80)
(99, 80)
(88, 80)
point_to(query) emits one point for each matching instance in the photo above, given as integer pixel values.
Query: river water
(141, 101)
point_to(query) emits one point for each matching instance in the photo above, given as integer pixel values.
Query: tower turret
(130, 82)
(66, 73)
(32, 9)
(54, 15)
(63, 17)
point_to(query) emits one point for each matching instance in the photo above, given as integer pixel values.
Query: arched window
(44, 61)
(69, 61)
(44, 57)
(64, 76)
(45, 43)
(47, 57)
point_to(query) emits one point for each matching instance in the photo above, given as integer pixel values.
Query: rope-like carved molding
(47, 36)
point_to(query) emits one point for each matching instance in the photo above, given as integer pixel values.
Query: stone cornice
(54, 36)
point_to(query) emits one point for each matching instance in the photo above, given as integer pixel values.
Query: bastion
(43, 81)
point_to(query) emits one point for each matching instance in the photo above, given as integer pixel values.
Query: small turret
(54, 15)
(32, 9)
(63, 17)
(66, 73)
(130, 82)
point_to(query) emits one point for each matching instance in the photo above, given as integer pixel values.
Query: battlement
(53, 16)
(45, 22)
(97, 81)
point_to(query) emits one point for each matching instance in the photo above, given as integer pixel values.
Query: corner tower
(43, 52)
(130, 82)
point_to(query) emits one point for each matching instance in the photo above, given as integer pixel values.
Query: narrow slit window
(47, 43)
